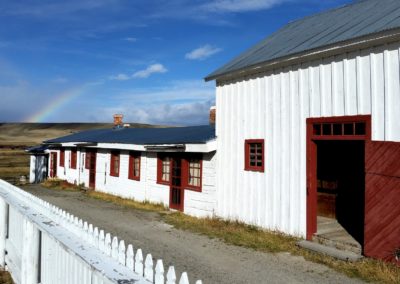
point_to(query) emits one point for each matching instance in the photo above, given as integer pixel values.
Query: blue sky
(83, 60)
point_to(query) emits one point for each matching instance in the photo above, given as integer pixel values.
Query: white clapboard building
(307, 127)
(171, 166)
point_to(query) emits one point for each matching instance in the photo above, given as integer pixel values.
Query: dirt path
(203, 258)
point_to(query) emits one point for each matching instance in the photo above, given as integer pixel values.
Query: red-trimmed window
(62, 157)
(134, 165)
(73, 159)
(194, 173)
(254, 155)
(114, 164)
(87, 159)
(163, 169)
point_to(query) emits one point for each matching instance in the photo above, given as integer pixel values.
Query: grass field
(16, 137)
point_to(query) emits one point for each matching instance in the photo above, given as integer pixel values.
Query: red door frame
(181, 187)
(312, 159)
(53, 164)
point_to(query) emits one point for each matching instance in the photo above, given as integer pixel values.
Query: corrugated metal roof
(142, 136)
(342, 24)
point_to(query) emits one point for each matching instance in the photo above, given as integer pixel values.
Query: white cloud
(152, 69)
(131, 39)
(221, 6)
(120, 77)
(202, 52)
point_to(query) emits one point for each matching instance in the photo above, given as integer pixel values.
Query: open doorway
(341, 185)
(336, 179)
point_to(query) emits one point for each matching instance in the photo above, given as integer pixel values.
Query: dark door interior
(92, 169)
(176, 195)
(341, 184)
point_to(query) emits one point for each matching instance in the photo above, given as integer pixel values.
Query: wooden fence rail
(41, 243)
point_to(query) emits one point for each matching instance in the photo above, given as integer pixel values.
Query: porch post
(30, 253)
(3, 231)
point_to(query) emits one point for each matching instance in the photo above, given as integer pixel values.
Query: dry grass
(59, 184)
(5, 277)
(240, 234)
(145, 205)
(14, 163)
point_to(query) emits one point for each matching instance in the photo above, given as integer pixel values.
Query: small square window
(194, 173)
(254, 155)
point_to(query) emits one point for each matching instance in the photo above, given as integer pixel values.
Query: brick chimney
(213, 113)
(118, 120)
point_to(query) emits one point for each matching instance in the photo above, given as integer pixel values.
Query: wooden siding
(274, 106)
(382, 195)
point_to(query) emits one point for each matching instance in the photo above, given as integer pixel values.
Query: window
(62, 158)
(254, 155)
(73, 159)
(163, 169)
(134, 166)
(194, 166)
(114, 164)
(87, 159)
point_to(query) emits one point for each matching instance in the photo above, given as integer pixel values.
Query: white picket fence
(40, 243)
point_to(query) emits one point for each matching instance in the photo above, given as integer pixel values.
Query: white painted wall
(274, 106)
(38, 168)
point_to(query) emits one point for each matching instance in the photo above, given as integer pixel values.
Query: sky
(85, 60)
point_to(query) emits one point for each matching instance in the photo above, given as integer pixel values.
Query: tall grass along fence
(40, 243)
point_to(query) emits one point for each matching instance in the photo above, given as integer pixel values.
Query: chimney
(213, 113)
(118, 120)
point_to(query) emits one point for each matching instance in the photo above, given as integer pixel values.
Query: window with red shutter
(62, 158)
(73, 159)
(114, 164)
(163, 169)
(134, 166)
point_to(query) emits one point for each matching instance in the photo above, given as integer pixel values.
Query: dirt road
(203, 258)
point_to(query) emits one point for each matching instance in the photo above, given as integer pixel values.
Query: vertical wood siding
(274, 106)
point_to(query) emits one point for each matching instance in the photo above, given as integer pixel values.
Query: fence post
(30, 253)
(3, 230)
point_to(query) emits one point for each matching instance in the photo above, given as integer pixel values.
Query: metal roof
(38, 149)
(338, 25)
(142, 136)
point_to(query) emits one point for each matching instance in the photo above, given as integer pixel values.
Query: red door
(382, 196)
(53, 164)
(92, 168)
(176, 193)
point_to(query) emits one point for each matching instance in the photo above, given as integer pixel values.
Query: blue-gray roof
(348, 22)
(37, 149)
(142, 136)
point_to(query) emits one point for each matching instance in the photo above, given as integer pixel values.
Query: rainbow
(58, 102)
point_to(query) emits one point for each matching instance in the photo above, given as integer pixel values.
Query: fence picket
(121, 252)
(130, 261)
(114, 248)
(96, 237)
(159, 277)
(148, 268)
(107, 244)
(101, 241)
(171, 276)
(184, 279)
(139, 262)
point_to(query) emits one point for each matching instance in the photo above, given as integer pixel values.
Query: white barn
(298, 116)
(171, 166)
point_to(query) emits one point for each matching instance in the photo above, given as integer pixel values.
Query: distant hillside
(26, 134)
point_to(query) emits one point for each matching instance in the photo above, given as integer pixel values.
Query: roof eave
(382, 37)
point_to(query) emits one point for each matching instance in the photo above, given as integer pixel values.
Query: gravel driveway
(203, 258)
